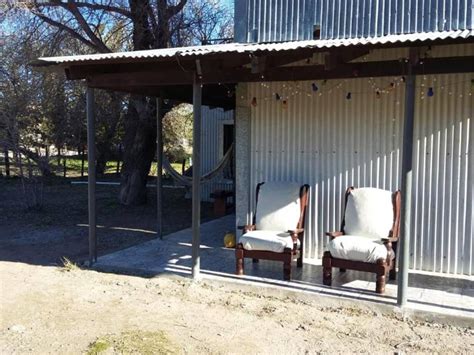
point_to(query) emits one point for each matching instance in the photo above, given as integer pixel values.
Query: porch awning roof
(170, 72)
(259, 48)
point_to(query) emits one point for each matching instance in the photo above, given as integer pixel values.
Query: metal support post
(159, 167)
(196, 209)
(91, 176)
(406, 183)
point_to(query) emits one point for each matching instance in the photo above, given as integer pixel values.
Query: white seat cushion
(369, 213)
(267, 240)
(278, 206)
(357, 248)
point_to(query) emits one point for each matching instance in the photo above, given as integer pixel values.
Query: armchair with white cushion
(278, 226)
(368, 236)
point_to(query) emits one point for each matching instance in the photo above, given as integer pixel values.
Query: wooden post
(406, 183)
(59, 156)
(64, 166)
(91, 178)
(7, 162)
(83, 157)
(197, 98)
(159, 167)
(119, 156)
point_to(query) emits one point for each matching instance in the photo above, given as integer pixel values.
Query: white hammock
(187, 180)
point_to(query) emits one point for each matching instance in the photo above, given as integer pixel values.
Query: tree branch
(72, 7)
(92, 6)
(154, 24)
(68, 29)
(173, 10)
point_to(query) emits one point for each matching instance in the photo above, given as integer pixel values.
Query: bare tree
(104, 26)
(148, 27)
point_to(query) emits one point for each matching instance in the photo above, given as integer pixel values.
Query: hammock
(187, 180)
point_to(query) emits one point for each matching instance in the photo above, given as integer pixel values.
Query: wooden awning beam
(222, 62)
(333, 59)
(212, 75)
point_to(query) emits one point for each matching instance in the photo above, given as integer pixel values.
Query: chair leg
(327, 269)
(299, 261)
(392, 274)
(255, 261)
(380, 283)
(239, 260)
(287, 265)
(381, 278)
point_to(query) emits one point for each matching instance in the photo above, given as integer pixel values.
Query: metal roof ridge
(251, 47)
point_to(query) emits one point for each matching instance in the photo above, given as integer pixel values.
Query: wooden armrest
(334, 234)
(247, 228)
(389, 239)
(295, 231)
(296, 234)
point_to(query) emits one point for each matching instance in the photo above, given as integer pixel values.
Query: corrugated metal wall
(285, 20)
(332, 142)
(211, 148)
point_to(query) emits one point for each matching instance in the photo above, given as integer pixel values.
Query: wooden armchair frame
(381, 267)
(288, 253)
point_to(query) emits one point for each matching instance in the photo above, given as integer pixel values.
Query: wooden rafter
(210, 75)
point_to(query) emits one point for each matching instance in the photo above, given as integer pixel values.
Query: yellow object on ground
(229, 240)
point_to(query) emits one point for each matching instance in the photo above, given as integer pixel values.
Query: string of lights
(288, 90)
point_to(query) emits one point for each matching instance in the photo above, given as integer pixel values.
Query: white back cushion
(369, 213)
(278, 206)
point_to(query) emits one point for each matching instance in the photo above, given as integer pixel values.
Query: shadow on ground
(60, 228)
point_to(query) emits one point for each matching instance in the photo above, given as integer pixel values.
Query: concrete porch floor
(444, 296)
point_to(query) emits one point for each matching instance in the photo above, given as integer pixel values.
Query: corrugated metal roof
(241, 48)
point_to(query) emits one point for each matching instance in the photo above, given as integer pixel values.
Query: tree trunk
(140, 135)
(101, 161)
(139, 151)
(140, 122)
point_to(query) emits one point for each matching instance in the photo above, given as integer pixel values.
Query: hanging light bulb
(314, 87)
(254, 101)
(430, 92)
(349, 95)
(284, 104)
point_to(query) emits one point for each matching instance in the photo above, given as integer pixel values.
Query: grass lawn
(74, 163)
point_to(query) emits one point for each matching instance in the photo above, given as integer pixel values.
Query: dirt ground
(60, 228)
(51, 310)
(47, 309)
